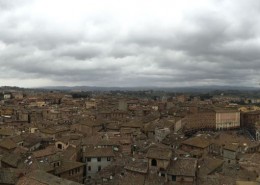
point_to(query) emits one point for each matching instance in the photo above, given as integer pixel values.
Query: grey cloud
(81, 51)
(210, 47)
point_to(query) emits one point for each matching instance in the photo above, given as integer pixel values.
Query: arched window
(154, 162)
(60, 146)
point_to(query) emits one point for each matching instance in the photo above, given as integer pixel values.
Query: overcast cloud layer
(129, 43)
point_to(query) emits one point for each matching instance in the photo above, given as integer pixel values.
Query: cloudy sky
(164, 43)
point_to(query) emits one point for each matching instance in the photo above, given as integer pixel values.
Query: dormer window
(56, 164)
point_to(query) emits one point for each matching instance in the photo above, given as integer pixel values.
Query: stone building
(183, 170)
(159, 160)
(227, 119)
(96, 159)
(251, 122)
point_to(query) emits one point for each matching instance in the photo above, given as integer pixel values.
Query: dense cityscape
(129, 137)
(129, 92)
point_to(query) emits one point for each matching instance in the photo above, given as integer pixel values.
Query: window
(71, 172)
(89, 168)
(89, 159)
(99, 159)
(153, 162)
(99, 168)
(108, 159)
(59, 146)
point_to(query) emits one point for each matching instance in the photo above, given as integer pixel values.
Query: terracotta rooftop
(159, 153)
(7, 132)
(223, 110)
(133, 124)
(50, 150)
(137, 166)
(209, 165)
(99, 152)
(68, 165)
(9, 175)
(197, 141)
(11, 159)
(54, 130)
(231, 147)
(183, 167)
(132, 179)
(7, 144)
(17, 139)
(247, 183)
(39, 177)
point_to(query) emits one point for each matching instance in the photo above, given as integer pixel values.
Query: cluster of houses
(53, 138)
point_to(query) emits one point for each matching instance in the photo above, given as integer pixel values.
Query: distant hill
(167, 89)
(197, 89)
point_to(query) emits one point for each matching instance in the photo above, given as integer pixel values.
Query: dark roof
(159, 153)
(50, 150)
(39, 177)
(133, 124)
(231, 147)
(7, 144)
(198, 142)
(209, 165)
(132, 179)
(55, 129)
(9, 175)
(11, 159)
(31, 140)
(99, 152)
(223, 110)
(68, 165)
(69, 152)
(183, 167)
(137, 166)
(17, 139)
(7, 132)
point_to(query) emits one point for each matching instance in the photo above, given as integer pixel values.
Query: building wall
(189, 148)
(43, 134)
(64, 146)
(122, 105)
(91, 105)
(35, 147)
(248, 119)
(201, 120)
(229, 156)
(7, 96)
(178, 125)
(23, 117)
(227, 120)
(161, 164)
(160, 134)
(216, 149)
(258, 135)
(181, 178)
(94, 164)
(82, 128)
(75, 175)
